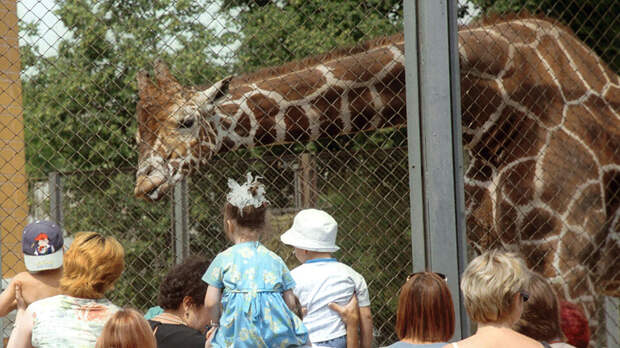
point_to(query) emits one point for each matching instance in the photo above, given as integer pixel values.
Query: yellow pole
(13, 183)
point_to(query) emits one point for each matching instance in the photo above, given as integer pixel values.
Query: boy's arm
(213, 299)
(21, 337)
(7, 299)
(366, 327)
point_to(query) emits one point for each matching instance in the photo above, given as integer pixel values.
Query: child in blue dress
(251, 283)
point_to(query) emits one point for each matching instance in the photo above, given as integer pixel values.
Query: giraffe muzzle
(151, 188)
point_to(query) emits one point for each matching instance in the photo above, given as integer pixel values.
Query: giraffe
(541, 125)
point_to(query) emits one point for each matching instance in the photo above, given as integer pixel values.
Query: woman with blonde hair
(126, 329)
(494, 289)
(75, 318)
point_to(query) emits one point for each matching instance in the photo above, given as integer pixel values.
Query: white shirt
(323, 281)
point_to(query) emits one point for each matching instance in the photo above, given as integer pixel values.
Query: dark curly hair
(184, 280)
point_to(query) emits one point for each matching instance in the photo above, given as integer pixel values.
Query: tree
(79, 108)
(79, 105)
(276, 32)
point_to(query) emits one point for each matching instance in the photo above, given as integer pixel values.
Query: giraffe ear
(217, 91)
(221, 87)
(144, 83)
(164, 77)
(144, 80)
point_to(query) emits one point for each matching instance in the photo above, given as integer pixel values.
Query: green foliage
(594, 21)
(79, 108)
(79, 105)
(275, 32)
(100, 201)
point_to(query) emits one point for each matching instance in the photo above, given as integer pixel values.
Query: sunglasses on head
(524, 295)
(440, 275)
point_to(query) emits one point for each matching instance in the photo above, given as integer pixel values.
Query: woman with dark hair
(425, 315)
(181, 296)
(541, 314)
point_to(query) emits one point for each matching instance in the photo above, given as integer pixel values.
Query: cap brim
(293, 238)
(35, 263)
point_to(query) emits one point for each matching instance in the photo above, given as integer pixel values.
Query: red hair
(425, 310)
(574, 324)
(126, 329)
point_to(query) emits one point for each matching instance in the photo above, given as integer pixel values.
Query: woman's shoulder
(66, 302)
(505, 337)
(174, 336)
(561, 345)
(45, 303)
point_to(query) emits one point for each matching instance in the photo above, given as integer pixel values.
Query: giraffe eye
(186, 123)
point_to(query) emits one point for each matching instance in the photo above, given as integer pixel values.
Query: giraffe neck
(349, 93)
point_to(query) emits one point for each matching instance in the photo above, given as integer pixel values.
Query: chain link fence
(542, 164)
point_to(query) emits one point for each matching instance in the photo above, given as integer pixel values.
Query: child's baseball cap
(312, 230)
(42, 244)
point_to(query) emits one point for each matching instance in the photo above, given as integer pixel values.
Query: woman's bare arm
(350, 314)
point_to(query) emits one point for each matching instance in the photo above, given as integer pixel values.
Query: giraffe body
(541, 124)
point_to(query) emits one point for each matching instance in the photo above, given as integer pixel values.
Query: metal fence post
(434, 143)
(612, 321)
(55, 191)
(181, 221)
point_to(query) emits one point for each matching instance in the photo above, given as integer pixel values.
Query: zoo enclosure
(78, 62)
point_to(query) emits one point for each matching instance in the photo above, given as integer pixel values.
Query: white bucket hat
(312, 230)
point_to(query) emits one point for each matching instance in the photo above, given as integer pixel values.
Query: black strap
(545, 344)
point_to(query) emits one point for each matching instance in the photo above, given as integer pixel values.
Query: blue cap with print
(42, 245)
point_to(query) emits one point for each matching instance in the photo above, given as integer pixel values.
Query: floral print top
(69, 322)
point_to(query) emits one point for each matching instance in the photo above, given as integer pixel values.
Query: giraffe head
(174, 133)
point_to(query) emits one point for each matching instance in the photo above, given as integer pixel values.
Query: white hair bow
(240, 195)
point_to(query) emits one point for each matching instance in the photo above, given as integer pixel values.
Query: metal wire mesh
(543, 173)
(77, 66)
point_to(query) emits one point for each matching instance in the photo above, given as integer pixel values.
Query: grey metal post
(181, 221)
(434, 143)
(611, 313)
(55, 191)
(457, 153)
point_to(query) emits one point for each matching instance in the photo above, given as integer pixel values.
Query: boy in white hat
(42, 245)
(321, 280)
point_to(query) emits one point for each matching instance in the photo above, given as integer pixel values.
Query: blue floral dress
(254, 313)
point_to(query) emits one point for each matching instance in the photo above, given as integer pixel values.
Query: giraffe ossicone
(541, 124)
